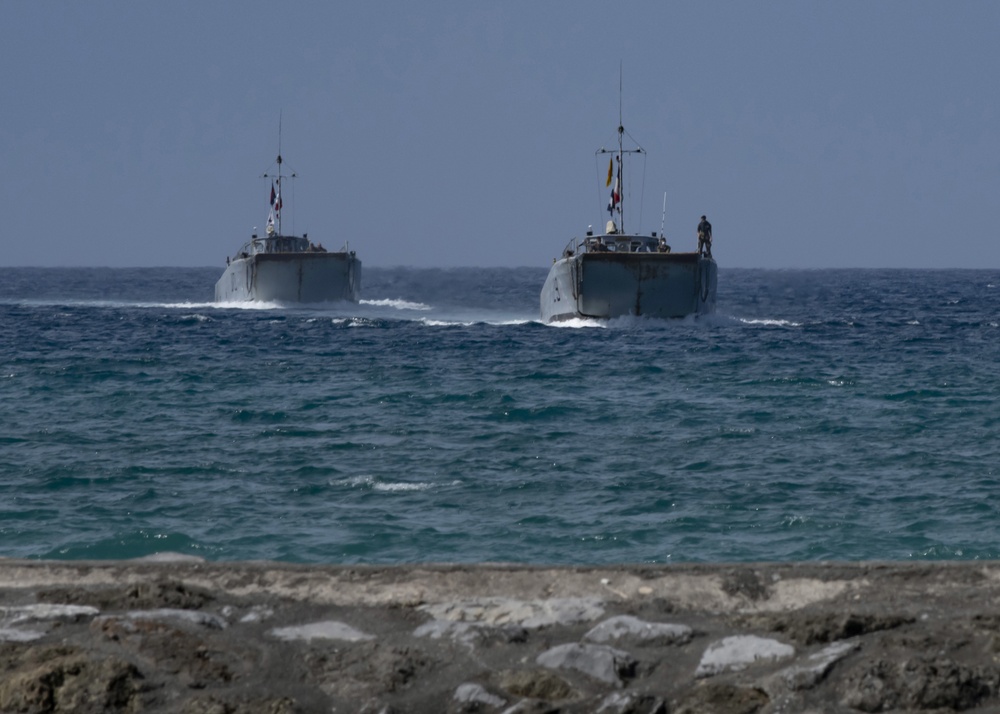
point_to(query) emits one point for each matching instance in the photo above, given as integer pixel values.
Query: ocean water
(819, 415)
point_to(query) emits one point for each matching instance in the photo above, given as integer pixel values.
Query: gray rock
(631, 703)
(627, 627)
(194, 617)
(18, 634)
(326, 630)
(740, 651)
(257, 614)
(465, 633)
(12, 619)
(40, 612)
(809, 673)
(470, 693)
(601, 662)
(526, 613)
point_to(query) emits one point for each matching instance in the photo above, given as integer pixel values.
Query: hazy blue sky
(813, 134)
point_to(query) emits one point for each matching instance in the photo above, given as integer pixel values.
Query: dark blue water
(834, 414)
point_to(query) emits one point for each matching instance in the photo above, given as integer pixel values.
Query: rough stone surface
(182, 636)
(603, 663)
(737, 652)
(473, 695)
(629, 629)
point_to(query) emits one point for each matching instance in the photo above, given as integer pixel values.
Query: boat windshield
(617, 243)
(625, 244)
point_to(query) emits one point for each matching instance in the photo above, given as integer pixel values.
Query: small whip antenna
(663, 218)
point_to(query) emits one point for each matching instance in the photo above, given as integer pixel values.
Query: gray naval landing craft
(288, 268)
(616, 273)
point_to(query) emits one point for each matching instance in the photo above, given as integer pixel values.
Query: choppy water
(819, 415)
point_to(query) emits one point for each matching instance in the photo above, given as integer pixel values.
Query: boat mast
(663, 217)
(621, 155)
(278, 204)
(621, 146)
(280, 199)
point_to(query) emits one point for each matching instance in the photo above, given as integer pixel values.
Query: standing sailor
(705, 237)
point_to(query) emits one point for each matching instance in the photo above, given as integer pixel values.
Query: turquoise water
(834, 415)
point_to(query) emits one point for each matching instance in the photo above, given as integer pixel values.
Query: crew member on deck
(705, 237)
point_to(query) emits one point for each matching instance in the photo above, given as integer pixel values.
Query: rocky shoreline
(174, 634)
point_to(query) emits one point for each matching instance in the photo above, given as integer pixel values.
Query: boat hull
(605, 285)
(291, 277)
